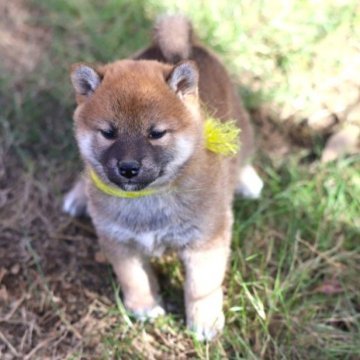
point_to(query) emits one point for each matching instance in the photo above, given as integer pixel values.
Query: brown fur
(135, 95)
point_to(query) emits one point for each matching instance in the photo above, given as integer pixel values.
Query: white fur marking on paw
(149, 314)
(75, 202)
(250, 183)
(207, 332)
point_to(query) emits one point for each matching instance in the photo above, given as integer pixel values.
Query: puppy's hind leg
(249, 183)
(75, 201)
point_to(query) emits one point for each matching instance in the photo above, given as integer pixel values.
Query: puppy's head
(137, 122)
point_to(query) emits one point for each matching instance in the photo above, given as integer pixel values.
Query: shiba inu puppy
(150, 182)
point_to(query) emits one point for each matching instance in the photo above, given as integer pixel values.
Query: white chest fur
(153, 222)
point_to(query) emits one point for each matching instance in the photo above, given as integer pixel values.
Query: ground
(292, 290)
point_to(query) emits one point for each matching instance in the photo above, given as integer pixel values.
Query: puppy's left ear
(85, 79)
(184, 78)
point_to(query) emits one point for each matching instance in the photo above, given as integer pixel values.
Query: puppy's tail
(173, 34)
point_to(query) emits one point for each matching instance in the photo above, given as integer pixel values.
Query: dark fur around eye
(109, 134)
(156, 134)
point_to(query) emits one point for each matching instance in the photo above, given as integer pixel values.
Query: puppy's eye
(109, 134)
(156, 134)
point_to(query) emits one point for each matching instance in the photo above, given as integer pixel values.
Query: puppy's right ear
(85, 79)
(184, 78)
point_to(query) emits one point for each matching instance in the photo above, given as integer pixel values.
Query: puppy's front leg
(136, 278)
(75, 201)
(205, 270)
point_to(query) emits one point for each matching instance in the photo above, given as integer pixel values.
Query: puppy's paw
(208, 329)
(149, 313)
(75, 202)
(249, 184)
(205, 317)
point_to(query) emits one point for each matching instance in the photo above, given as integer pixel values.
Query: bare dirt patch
(49, 279)
(21, 43)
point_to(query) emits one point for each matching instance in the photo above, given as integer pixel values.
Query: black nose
(129, 169)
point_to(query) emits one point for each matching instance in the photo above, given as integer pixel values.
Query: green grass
(292, 289)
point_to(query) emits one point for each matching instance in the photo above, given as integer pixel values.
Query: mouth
(130, 185)
(134, 184)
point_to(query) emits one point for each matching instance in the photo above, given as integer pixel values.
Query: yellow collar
(220, 138)
(115, 191)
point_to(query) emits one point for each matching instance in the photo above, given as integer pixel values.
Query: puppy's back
(174, 41)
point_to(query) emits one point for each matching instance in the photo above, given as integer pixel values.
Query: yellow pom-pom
(222, 138)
